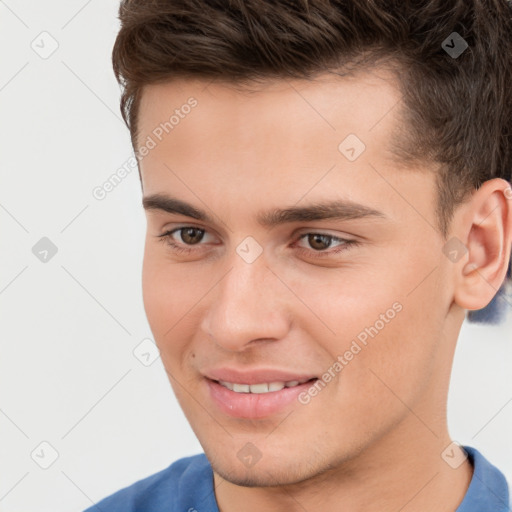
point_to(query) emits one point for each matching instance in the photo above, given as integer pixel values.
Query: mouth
(264, 387)
(256, 401)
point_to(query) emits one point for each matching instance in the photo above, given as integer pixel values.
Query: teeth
(226, 384)
(260, 388)
(276, 386)
(241, 388)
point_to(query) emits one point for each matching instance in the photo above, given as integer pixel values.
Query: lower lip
(254, 405)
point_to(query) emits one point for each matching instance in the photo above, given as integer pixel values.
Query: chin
(258, 477)
(264, 473)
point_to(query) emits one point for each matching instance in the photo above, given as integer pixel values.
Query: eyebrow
(330, 210)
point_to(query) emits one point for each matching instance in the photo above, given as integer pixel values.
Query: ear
(487, 224)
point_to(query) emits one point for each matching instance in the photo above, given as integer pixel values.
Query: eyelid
(320, 231)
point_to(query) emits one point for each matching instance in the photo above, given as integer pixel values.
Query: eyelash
(347, 244)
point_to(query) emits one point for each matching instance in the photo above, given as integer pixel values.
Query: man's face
(256, 303)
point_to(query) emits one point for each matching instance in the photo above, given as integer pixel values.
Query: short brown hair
(458, 108)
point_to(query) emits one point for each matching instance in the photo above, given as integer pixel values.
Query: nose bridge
(244, 305)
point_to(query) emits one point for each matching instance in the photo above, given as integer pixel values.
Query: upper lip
(255, 376)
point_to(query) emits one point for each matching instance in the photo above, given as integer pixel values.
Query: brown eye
(318, 241)
(191, 235)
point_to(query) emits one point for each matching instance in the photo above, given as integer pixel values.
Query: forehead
(330, 104)
(280, 140)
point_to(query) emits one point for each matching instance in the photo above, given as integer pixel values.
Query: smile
(261, 388)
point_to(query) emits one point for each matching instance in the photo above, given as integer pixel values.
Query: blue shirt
(187, 486)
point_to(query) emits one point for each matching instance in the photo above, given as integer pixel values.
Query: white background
(69, 326)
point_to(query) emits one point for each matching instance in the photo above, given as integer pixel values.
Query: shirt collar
(488, 489)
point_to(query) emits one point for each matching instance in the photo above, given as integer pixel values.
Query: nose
(247, 305)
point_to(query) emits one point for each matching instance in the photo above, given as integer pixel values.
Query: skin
(372, 439)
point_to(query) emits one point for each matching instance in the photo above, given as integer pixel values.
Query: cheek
(386, 335)
(156, 297)
(341, 304)
(166, 308)
(173, 294)
(397, 363)
(164, 295)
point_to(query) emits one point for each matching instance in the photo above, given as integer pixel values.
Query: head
(258, 114)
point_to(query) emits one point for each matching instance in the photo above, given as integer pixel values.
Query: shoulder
(169, 489)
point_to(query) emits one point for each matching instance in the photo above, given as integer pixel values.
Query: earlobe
(488, 240)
